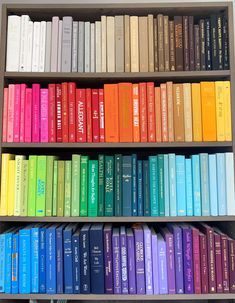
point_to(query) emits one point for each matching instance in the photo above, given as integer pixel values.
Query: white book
(66, 51)
(230, 196)
(29, 49)
(36, 46)
(23, 42)
(110, 44)
(98, 46)
(54, 43)
(75, 47)
(13, 44)
(48, 47)
(42, 48)
(87, 47)
(103, 43)
(92, 47)
(81, 46)
(59, 46)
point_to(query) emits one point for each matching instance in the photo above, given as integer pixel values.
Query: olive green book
(101, 186)
(67, 188)
(60, 189)
(24, 206)
(32, 179)
(75, 185)
(83, 186)
(92, 188)
(55, 185)
(109, 184)
(41, 186)
(49, 185)
(161, 185)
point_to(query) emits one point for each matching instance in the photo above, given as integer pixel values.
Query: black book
(208, 44)
(202, 44)
(214, 43)
(225, 42)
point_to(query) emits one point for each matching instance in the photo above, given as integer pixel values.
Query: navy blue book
(146, 188)
(68, 260)
(140, 187)
(60, 259)
(134, 185)
(97, 258)
(84, 259)
(76, 261)
(127, 186)
(42, 260)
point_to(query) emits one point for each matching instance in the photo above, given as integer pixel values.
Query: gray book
(48, 47)
(59, 45)
(87, 47)
(66, 58)
(75, 47)
(119, 43)
(92, 69)
(98, 46)
(81, 46)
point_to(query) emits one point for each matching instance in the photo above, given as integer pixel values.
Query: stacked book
(123, 112)
(118, 44)
(102, 259)
(118, 185)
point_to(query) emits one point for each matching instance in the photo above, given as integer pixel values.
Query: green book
(60, 189)
(109, 194)
(55, 185)
(101, 186)
(75, 185)
(32, 179)
(19, 194)
(83, 186)
(49, 184)
(24, 206)
(67, 188)
(118, 185)
(92, 188)
(41, 186)
(161, 185)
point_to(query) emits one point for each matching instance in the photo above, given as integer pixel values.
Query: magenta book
(44, 115)
(22, 111)
(16, 124)
(35, 112)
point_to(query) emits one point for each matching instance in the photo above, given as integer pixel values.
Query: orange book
(136, 112)
(158, 114)
(151, 112)
(125, 112)
(197, 112)
(170, 107)
(143, 113)
(178, 112)
(164, 113)
(111, 112)
(208, 111)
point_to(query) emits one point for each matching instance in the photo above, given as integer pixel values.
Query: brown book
(197, 47)
(150, 43)
(155, 33)
(166, 43)
(143, 44)
(127, 43)
(170, 109)
(160, 43)
(178, 112)
(179, 43)
(202, 44)
(191, 43)
(186, 43)
(172, 44)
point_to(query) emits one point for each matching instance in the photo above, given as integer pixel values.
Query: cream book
(98, 46)
(103, 43)
(119, 44)
(127, 43)
(110, 44)
(23, 42)
(134, 38)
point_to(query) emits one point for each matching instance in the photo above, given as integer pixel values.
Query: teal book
(84, 186)
(180, 185)
(134, 186)
(101, 186)
(75, 202)
(153, 185)
(109, 185)
(146, 186)
(166, 185)
(213, 185)
(189, 188)
(55, 186)
(221, 184)
(161, 185)
(172, 185)
(140, 187)
(205, 190)
(197, 206)
(93, 188)
(67, 188)
(127, 186)
(118, 185)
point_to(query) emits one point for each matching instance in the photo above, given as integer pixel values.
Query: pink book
(22, 110)
(16, 127)
(5, 112)
(44, 115)
(36, 112)
(28, 115)
(10, 112)
(101, 110)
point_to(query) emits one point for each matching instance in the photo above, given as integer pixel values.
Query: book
(109, 186)
(143, 40)
(123, 250)
(162, 265)
(134, 43)
(180, 185)
(117, 287)
(41, 186)
(139, 252)
(101, 185)
(127, 186)
(148, 260)
(51, 285)
(108, 264)
(84, 186)
(92, 188)
(205, 190)
(110, 43)
(84, 245)
(118, 184)
(178, 42)
(75, 205)
(131, 261)
(178, 112)
(76, 261)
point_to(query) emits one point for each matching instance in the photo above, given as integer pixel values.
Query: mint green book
(19, 194)
(101, 186)
(55, 185)
(153, 185)
(67, 188)
(60, 189)
(24, 202)
(83, 186)
(161, 185)
(32, 181)
(75, 207)
(41, 186)
(109, 185)
(49, 184)
(92, 188)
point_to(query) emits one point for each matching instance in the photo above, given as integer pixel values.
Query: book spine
(23, 43)
(118, 185)
(196, 261)
(186, 42)
(124, 272)
(166, 185)
(161, 185)
(140, 268)
(101, 116)
(67, 188)
(116, 264)
(74, 63)
(41, 186)
(180, 185)
(162, 266)
(143, 112)
(172, 45)
(140, 187)
(72, 111)
(131, 263)
(5, 113)
(76, 263)
(197, 47)
(35, 260)
(92, 188)
(213, 185)
(225, 264)
(17, 110)
(44, 115)
(146, 186)
(172, 185)
(81, 46)
(151, 112)
(225, 42)
(205, 184)
(231, 246)
(68, 264)
(89, 114)
(15, 262)
(202, 43)
(75, 206)
(164, 112)
(179, 273)
(179, 43)
(148, 261)
(221, 184)
(191, 44)
(158, 114)
(204, 263)
(54, 43)
(10, 113)
(155, 39)
(211, 260)
(188, 260)
(66, 44)
(189, 186)
(8, 262)
(95, 115)
(134, 186)
(64, 112)
(127, 186)
(52, 112)
(42, 260)
(214, 43)
(218, 263)
(208, 44)
(160, 27)
(109, 182)
(24, 262)
(101, 186)
(48, 46)
(155, 262)
(220, 41)
(136, 113)
(42, 47)
(127, 43)
(170, 263)
(84, 186)
(108, 261)
(87, 45)
(22, 112)
(81, 131)
(166, 43)
(85, 262)
(2, 263)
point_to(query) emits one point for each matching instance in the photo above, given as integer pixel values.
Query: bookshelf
(46, 11)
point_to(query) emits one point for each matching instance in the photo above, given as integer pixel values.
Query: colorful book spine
(180, 185)
(127, 186)
(116, 262)
(83, 186)
(123, 253)
(172, 185)
(148, 260)
(118, 185)
(139, 252)
(153, 185)
(205, 191)
(131, 261)
(92, 188)
(109, 185)
(162, 265)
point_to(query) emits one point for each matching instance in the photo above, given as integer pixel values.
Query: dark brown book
(186, 42)
(191, 43)
(178, 98)
(179, 56)
(166, 43)
(197, 47)
(160, 27)
(155, 35)
(172, 44)
(202, 44)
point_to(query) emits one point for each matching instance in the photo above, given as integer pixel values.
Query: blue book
(25, 260)
(42, 260)
(123, 253)
(60, 259)
(213, 185)
(221, 185)
(51, 259)
(172, 185)
(197, 208)
(68, 260)
(15, 264)
(2, 262)
(189, 187)
(97, 258)
(134, 186)
(8, 258)
(35, 258)
(85, 260)
(166, 185)
(147, 208)
(127, 186)
(76, 261)
(205, 194)
(140, 187)
(153, 185)
(230, 193)
(162, 265)
(180, 185)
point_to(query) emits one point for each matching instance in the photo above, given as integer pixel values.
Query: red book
(65, 120)
(143, 113)
(58, 101)
(72, 97)
(5, 111)
(95, 115)
(151, 112)
(101, 114)
(218, 263)
(52, 110)
(158, 114)
(17, 110)
(196, 261)
(81, 125)
(231, 254)
(89, 115)
(36, 112)
(164, 113)
(204, 263)
(28, 115)
(225, 266)
(22, 109)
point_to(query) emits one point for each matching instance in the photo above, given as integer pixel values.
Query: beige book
(134, 38)
(170, 111)
(188, 131)
(143, 44)
(166, 43)
(98, 46)
(103, 44)
(110, 45)
(119, 43)
(160, 43)
(127, 43)
(150, 43)
(155, 33)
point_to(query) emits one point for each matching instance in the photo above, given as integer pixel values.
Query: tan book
(166, 43)
(197, 112)
(188, 130)
(170, 108)
(155, 33)
(103, 44)
(172, 45)
(110, 44)
(143, 44)
(119, 43)
(150, 43)
(134, 39)
(161, 59)
(127, 54)
(178, 112)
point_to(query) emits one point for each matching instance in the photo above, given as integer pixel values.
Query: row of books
(122, 112)
(117, 44)
(118, 185)
(102, 259)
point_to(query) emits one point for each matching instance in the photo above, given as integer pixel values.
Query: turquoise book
(166, 185)
(92, 188)
(161, 185)
(127, 186)
(118, 185)
(153, 185)
(213, 185)
(134, 185)
(189, 191)
(196, 185)
(109, 185)
(221, 185)
(172, 185)
(204, 165)
(180, 185)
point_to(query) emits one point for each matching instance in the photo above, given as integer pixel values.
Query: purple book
(155, 262)
(116, 261)
(124, 270)
(108, 259)
(148, 260)
(131, 261)
(168, 237)
(162, 267)
(139, 251)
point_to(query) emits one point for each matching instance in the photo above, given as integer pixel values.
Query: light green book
(49, 185)
(92, 188)
(75, 207)
(83, 186)
(32, 179)
(55, 185)
(68, 188)
(24, 206)
(19, 193)
(41, 186)
(60, 188)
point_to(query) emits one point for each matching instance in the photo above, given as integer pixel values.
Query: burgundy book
(225, 267)
(186, 43)
(231, 254)
(204, 263)
(191, 43)
(218, 263)
(196, 261)
(179, 56)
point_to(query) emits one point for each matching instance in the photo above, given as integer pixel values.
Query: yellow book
(19, 193)
(227, 111)
(11, 187)
(4, 184)
(187, 112)
(134, 42)
(220, 122)
(197, 112)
